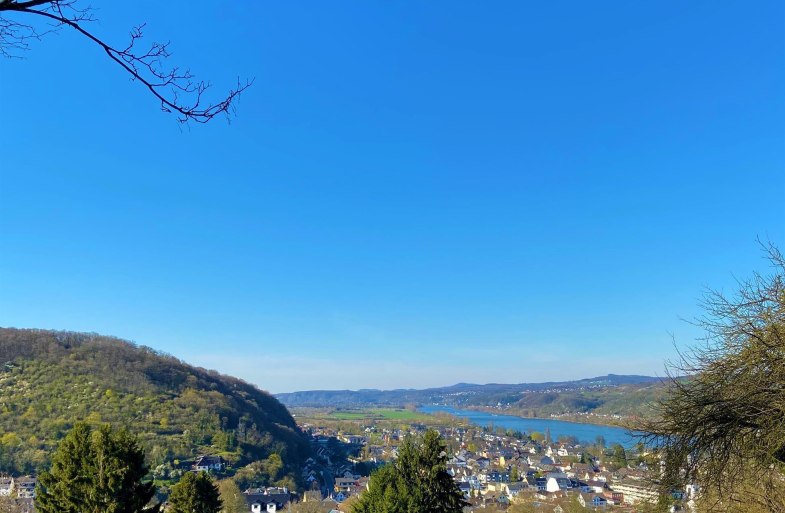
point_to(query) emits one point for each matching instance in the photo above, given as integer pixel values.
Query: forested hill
(51, 379)
(608, 395)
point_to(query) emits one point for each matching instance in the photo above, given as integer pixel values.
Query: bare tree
(723, 424)
(23, 21)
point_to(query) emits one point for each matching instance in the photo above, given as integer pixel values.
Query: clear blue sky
(412, 194)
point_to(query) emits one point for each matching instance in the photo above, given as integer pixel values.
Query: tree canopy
(723, 424)
(232, 498)
(96, 471)
(417, 482)
(195, 493)
(50, 379)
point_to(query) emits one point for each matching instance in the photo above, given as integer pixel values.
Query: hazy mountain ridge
(51, 379)
(611, 394)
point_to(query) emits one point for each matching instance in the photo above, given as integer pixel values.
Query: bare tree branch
(178, 90)
(723, 426)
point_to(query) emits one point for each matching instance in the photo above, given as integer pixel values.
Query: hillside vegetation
(49, 380)
(632, 400)
(626, 396)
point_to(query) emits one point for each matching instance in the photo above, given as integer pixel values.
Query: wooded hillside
(627, 396)
(49, 380)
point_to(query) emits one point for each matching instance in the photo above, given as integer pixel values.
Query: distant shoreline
(513, 413)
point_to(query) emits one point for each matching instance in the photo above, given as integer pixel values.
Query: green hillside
(49, 380)
(629, 400)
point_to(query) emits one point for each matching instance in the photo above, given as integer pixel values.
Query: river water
(583, 432)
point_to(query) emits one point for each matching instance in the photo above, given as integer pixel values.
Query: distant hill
(51, 379)
(611, 394)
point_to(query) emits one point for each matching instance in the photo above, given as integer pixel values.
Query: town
(496, 470)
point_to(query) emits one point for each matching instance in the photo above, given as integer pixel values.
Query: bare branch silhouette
(177, 89)
(722, 424)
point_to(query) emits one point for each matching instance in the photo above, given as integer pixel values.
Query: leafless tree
(723, 424)
(177, 90)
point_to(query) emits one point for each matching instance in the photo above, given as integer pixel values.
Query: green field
(377, 414)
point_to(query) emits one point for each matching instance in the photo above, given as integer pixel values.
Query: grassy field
(377, 414)
(362, 414)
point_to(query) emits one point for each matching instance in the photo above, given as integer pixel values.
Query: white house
(6, 486)
(263, 506)
(557, 482)
(25, 487)
(587, 500)
(207, 463)
(270, 507)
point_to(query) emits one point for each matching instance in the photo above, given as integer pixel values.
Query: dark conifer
(417, 482)
(195, 493)
(97, 471)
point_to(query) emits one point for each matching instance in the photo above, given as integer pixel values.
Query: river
(583, 432)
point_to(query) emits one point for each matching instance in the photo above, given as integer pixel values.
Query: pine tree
(195, 493)
(97, 471)
(619, 455)
(417, 481)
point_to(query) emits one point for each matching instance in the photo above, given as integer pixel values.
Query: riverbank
(584, 432)
(577, 418)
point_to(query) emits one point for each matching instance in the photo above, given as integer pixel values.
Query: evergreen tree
(417, 482)
(387, 493)
(97, 471)
(195, 493)
(619, 455)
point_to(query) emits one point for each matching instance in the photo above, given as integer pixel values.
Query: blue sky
(412, 193)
